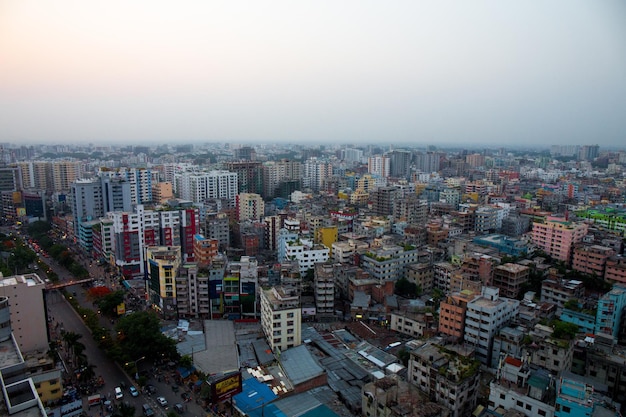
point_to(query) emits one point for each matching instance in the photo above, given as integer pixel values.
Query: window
(502, 396)
(519, 403)
(541, 412)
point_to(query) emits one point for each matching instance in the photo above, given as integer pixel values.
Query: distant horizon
(455, 73)
(396, 145)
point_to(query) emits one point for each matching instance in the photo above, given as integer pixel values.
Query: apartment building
(388, 263)
(522, 390)
(415, 325)
(216, 226)
(163, 263)
(610, 312)
(324, 289)
(249, 206)
(448, 378)
(192, 292)
(510, 279)
(204, 250)
(548, 352)
(485, 316)
(346, 251)
(616, 270)
(557, 237)
(281, 317)
(391, 396)
(452, 314)
(558, 291)
(421, 274)
(442, 275)
(591, 259)
(28, 312)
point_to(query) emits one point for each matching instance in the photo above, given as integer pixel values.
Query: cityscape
(335, 280)
(312, 208)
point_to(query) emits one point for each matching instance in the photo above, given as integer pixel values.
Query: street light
(136, 367)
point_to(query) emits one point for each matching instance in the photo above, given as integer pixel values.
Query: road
(64, 317)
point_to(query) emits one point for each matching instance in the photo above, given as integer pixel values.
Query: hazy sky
(431, 71)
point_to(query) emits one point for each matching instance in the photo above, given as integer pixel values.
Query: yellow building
(327, 236)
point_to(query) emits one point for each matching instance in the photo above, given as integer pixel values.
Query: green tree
(125, 410)
(564, 330)
(140, 335)
(109, 302)
(405, 288)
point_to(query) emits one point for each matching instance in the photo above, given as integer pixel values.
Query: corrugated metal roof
(299, 365)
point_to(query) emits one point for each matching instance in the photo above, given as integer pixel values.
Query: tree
(108, 303)
(405, 288)
(564, 330)
(125, 410)
(142, 337)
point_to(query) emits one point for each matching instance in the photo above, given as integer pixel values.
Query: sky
(297, 71)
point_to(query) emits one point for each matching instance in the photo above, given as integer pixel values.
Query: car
(178, 407)
(133, 391)
(147, 410)
(118, 393)
(151, 389)
(162, 401)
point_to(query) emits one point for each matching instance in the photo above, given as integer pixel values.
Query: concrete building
(559, 291)
(192, 292)
(416, 325)
(520, 389)
(508, 342)
(216, 226)
(383, 200)
(421, 274)
(281, 317)
(557, 237)
(446, 377)
(577, 397)
(25, 294)
(163, 263)
(615, 271)
(346, 252)
(510, 279)
(204, 250)
(379, 165)
(393, 397)
(249, 206)
(591, 259)
(610, 312)
(28, 381)
(202, 186)
(442, 275)
(324, 290)
(452, 314)
(388, 263)
(548, 352)
(64, 173)
(485, 316)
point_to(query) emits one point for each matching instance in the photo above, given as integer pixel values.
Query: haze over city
(451, 72)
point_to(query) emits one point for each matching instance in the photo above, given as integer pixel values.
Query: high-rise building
(400, 163)
(163, 263)
(64, 173)
(485, 316)
(249, 206)
(557, 236)
(315, 173)
(379, 165)
(276, 173)
(28, 311)
(281, 317)
(202, 186)
(249, 175)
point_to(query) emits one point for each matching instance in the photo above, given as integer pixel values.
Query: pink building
(557, 236)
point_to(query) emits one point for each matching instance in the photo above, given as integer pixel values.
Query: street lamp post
(136, 361)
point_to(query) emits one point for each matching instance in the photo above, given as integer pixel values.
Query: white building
(486, 314)
(201, 186)
(281, 316)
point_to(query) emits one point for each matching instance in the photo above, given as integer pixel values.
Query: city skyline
(446, 74)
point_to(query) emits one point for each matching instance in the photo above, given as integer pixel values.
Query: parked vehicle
(118, 393)
(147, 410)
(162, 401)
(94, 400)
(133, 391)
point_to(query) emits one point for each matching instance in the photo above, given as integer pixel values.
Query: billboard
(225, 386)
